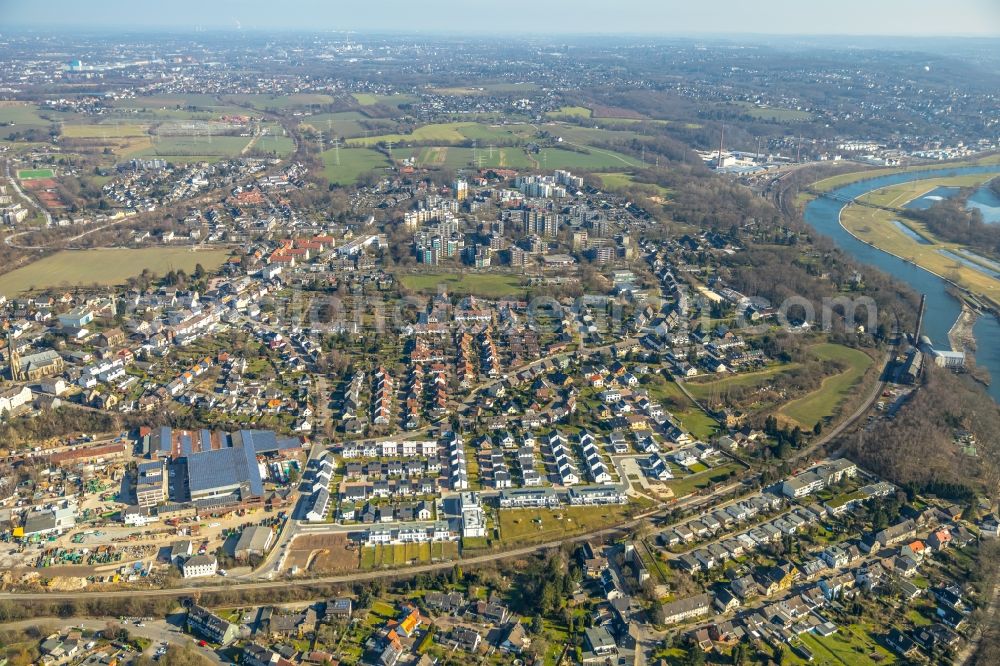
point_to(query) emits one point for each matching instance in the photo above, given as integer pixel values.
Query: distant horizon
(920, 19)
(178, 31)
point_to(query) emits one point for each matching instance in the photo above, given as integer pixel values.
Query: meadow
(353, 163)
(370, 99)
(341, 124)
(624, 180)
(104, 267)
(188, 148)
(541, 525)
(487, 285)
(265, 102)
(35, 174)
(487, 89)
(15, 116)
(572, 111)
(457, 157)
(591, 158)
(445, 133)
(824, 401)
(113, 130)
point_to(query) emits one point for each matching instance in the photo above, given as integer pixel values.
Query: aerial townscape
(326, 341)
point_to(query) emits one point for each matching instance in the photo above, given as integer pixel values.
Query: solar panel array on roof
(226, 469)
(162, 440)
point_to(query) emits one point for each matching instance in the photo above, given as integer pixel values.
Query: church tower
(13, 359)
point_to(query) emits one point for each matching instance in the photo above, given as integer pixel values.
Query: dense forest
(918, 448)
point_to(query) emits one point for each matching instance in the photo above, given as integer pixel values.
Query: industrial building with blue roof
(218, 464)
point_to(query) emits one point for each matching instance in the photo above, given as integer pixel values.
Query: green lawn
(486, 285)
(693, 482)
(457, 157)
(365, 99)
(849, 646)
(104, 130)
(691, 418)
(34, 174)
(280, 102)
(104, 267)
(703, 389)
(398, 555)
(825, 400)
(697, 422)
(592, 158)
(370, 99)
(519, 526)
(192, 146)
(622, 181)
(20, 116)
(574, 111)
(342, 123)
(446, 133)
(487, 88)
(353, 163)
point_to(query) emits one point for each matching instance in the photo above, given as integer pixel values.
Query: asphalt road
(360, 576)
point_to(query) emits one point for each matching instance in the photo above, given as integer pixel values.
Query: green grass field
(897, 196)
(848, 648)
(35, 174)
(341, 124)
(104, 130)
(486, 285)
(354, 162)
(540, 525)
(704, 387)
(450, 133)
(692, 419)
(457, 157)
(191, 146)
(370, 99)
(587, 135)
(281, 146)
(825, 400)
(104, 267)
(711, 477)
(499, 158)
(488, 88)
(624, 180)
(574, 111)
(279, 102)
(15, 116)
(592, 158)
(397, 555)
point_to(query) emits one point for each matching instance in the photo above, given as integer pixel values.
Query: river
(823, 214)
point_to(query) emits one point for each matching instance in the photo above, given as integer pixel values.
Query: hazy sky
(666, 17)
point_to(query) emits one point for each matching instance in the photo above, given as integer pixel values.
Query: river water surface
(823, 214)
